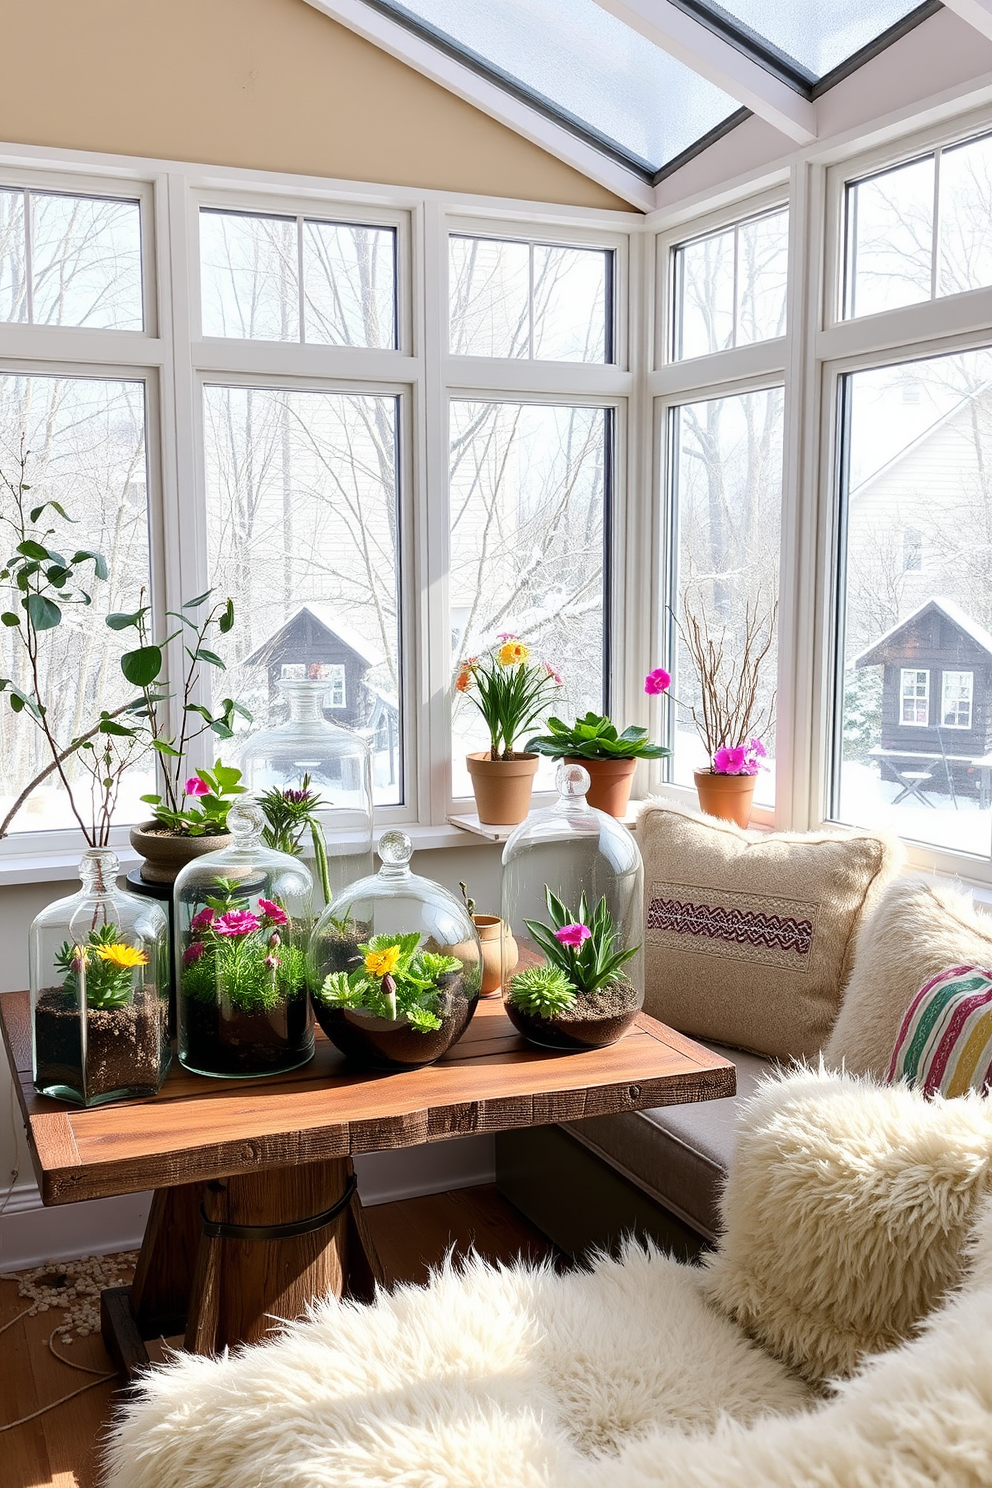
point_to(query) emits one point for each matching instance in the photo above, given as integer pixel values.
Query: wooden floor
(61, 1448)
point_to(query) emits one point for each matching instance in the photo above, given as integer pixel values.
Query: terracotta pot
(609, 783)
(497, 943)
(502, 787)
(165, 852)
(725, 796)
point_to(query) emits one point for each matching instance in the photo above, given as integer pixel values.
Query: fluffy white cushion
(846, 1212)
(483, 1377)
(919, 928)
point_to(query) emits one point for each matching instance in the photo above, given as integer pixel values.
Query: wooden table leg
(156, 1304)
(245, 1283)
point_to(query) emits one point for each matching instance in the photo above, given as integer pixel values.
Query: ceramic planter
(726, 796)
(610, 781)
(165, 853)
(502, 787)
(499, 950)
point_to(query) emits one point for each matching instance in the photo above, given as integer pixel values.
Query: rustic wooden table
(256, 1210)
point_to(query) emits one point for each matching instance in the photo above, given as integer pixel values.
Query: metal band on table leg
(218, 1230)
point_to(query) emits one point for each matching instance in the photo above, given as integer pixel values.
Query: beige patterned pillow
(749, 936)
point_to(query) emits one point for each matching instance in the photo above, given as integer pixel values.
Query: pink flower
(657, 681)
(193, 952)
(731, 760)
(271, 963)
(202, 921)
(196, 787)
(237, 922)
(274, 940)
(273, 913)
(573, 935)
(556, 677)
(507, 635)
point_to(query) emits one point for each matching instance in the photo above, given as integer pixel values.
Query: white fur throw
(845, 1213)
(918, 929)
(627, 1376)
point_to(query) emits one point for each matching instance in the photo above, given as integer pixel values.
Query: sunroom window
(728, 287)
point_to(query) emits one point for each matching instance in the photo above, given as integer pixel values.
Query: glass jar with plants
(513, 691)
(609, 757)
(98, 959)
(730, 707)
(395, 965)
(573, 901)
(243, 920)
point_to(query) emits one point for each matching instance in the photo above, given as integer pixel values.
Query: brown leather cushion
(678, 1154)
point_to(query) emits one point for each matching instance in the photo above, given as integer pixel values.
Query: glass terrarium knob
(246, 822)
(395, 849)
(572, 781)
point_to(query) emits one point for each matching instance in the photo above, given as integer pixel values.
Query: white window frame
(960, 701)
(914, 697)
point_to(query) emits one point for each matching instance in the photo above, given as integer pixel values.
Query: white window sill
(62, 867)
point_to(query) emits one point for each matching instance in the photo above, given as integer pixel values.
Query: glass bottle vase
(99, 975)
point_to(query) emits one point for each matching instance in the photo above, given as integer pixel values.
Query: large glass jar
(573, 900)
(395, 965)
(99, 973)
(243, 917)
(339, 765)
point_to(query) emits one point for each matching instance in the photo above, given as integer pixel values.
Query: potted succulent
(499, 949)
(98, 959)
(609, 757)
(512, 691)
(730, 716)
(177, 835)
(575, 995)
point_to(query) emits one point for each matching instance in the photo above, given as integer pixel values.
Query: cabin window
(336, 696)
(915, 695)
(957, 690)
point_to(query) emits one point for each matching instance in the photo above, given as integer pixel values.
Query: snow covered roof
(329, 621)
(948, 607)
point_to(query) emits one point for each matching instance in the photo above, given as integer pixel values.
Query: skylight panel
(588, 66)
(813, 35)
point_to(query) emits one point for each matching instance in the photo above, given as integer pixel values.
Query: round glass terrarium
(395, 965)
(243, 917)
(338, 763)
(573, 901)
(99, 973)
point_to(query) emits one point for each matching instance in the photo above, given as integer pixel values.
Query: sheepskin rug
(634, 1374)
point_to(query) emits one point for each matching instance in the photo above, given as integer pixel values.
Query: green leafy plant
(541, 991)
(581, 945)
(288, 813)
(213, 791)
(394, 979)
(510, 688)
(101, 968)
(595, 737)
(246, 955)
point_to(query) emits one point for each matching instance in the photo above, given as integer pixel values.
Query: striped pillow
(944, 1045)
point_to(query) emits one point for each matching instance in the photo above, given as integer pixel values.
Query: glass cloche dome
(395, 965)
(337, 761)
(243, 917)
(573, 900)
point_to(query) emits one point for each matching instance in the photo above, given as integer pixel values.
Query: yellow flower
(382, 963)
(124, 956)
(513, 652)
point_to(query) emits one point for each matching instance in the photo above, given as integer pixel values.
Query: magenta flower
(657, 681)
(275, 940)
(507, 635)
(193, 952)
(237, 922)
(273, 913)
(730, 760)
(196, 787)
(203, 920)
(573, 935)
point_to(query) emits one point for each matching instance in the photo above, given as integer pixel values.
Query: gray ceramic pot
(165, 853)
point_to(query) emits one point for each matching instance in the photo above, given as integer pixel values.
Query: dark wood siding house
(936, 701)
(315, 643)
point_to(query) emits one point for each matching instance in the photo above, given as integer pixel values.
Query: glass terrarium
(243, 917)
(396, 965)
(337, 761)
(99, 972)
(573, 901)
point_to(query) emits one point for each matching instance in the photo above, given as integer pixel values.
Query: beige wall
(266, 84)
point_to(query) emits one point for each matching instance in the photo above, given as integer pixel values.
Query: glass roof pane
(817, 34)
(585, 63)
